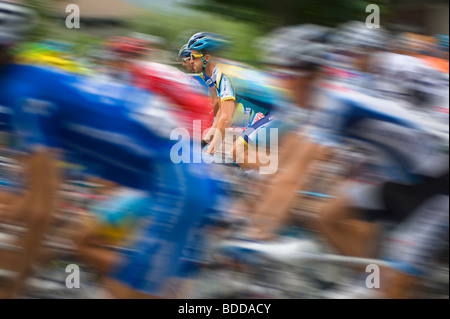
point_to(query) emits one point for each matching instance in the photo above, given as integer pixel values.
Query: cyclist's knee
(335, 211)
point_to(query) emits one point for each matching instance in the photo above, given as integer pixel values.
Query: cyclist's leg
(345, 221)
(39, 207)
(342, 222)
(414, 244)
(274, 207)
(255, 147)
(7, 202)
(13, 194)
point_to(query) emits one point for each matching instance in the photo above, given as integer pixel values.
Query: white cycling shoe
(286, 250)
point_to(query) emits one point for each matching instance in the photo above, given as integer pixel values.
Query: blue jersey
(120, 132)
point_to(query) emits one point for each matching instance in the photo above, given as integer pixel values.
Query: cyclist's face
(196, 61)
(187, 64)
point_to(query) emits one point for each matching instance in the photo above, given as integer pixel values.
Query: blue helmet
(184, 52)
(206, 41)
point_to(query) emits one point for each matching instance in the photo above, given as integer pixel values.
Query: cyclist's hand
(215, 143)
(259, 234)
(209, 134)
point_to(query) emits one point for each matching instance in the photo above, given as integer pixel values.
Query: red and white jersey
(192, 104)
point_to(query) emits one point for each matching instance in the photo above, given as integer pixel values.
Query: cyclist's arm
(222, 121)
(215, 101)
(225, 113)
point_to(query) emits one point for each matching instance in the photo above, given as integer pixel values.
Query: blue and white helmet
(295, 46)
(184, 52)
(207, 41)
(15, 21)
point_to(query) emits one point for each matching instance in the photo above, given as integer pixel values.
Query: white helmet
(355, 35)
(295, 46)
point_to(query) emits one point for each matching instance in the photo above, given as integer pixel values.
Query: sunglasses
(185, 59)
(196, 56)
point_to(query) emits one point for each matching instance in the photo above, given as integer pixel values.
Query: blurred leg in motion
(413, 247)
(342, 226)
(38, 208)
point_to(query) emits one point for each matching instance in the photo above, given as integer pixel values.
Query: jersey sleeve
(226, 89)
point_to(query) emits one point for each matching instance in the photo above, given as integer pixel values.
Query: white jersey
(405, 147)
(399, 74)
(402, 143)
(411, 80)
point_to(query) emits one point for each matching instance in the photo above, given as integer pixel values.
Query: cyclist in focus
(253, 100)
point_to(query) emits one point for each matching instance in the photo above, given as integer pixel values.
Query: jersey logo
(38, 107)
(4, 109)
(208, 80)
(224, 83)
(116, 138)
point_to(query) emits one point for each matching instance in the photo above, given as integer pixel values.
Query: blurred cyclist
(406, 183)
(136, 68)
(185, 55)
(41, 167)
(295, 70)
(417, 79)
(118, 132)
(294, 55)
(120, 52)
